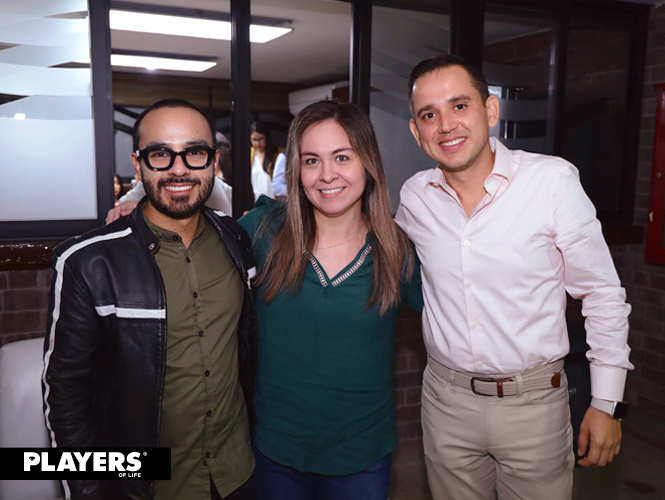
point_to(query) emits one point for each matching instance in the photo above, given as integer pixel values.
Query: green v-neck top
(324, 397)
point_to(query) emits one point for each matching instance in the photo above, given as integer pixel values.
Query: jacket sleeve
(72, 351)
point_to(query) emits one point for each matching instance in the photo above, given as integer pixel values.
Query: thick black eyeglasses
(194, 157)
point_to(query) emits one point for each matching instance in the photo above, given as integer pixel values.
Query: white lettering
(45, 465)
(82, 459)
(99, 461)
(66, 462)
(133, 459)
(30, 458)
(116, 459)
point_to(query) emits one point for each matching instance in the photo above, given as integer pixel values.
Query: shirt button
(474, 325)
(208, 413)
(466, 243)
(469, 283)
(207, 455)
(188, 260)
(196, 295)
(201, 333)
(479, 364)
(207, 373)
(175, 238)
(205, 463)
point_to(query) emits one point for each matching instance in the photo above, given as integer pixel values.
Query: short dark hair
(169, 103)
(445, 61)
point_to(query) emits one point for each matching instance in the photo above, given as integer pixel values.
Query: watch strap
(615, 409)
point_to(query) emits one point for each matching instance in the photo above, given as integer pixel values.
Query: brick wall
(645, 283)
(410, 361)
(23, 304)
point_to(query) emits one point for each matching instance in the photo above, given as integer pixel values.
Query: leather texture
(105, 347)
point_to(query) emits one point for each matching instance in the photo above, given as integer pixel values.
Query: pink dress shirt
(494, 283)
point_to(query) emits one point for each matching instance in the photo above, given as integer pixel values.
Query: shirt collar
(503, 169)
(166, 236)
(503, 161)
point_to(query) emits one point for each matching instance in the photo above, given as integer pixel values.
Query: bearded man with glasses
(151, 337)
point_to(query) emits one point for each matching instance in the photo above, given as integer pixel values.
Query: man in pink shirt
(502, 236)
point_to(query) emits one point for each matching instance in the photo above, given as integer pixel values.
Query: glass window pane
(518, 58)
(308, 64)
(400, 40)
(46, 126)
(595, 105)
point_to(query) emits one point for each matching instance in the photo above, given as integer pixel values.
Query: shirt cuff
(607, 382)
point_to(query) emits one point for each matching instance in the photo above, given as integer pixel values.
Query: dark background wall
(645, 283)
(24, 295)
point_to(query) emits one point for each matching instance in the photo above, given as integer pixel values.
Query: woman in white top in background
(262, 157)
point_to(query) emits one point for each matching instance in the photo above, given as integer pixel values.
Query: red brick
(23, 279)
(654, 345)
(408, 452)
(19, 322)
(657, 282)
(414, 395)
(406, 414)
(643, 325)
(407, 328)
(412, 343)
(655, 376)
(406, 432)
(45, 277)
(652, 407)
(644, 388)
(646, 358)
(656, 313)
(418, 360)
(25, 299)
(401, 362)
(635, 338)
(408, 379)
(643, 278)
(399, 395)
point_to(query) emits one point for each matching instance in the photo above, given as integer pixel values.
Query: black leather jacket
(105, 346)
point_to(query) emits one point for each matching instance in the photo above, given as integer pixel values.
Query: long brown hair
(288, 257)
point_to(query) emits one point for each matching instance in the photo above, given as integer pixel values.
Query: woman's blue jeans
(278, 482)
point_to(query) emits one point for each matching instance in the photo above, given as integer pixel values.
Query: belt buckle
(499, 385)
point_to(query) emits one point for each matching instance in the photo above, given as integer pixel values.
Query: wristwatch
(616, 409)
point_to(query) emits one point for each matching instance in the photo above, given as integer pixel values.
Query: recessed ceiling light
(160, 63)
(19, 116)
(188, 26)
(152, 63)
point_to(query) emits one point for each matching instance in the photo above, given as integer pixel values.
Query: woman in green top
(333, 268)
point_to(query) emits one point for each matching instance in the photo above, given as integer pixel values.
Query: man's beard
(178, 207)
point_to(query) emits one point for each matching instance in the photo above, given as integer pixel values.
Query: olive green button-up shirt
(203, 420)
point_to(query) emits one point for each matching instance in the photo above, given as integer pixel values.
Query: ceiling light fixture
(188, 26)
(156, 62)
(133, 61)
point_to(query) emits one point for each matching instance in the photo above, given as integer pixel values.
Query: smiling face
(451, 120)
(331, 173)
(177, 193)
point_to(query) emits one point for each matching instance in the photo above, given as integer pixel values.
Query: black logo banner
(85, 463)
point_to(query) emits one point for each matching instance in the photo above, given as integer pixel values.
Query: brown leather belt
(541, 377)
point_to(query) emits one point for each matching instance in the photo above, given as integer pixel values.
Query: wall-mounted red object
(655, 243)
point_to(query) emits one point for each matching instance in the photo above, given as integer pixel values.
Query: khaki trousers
(484, 447)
